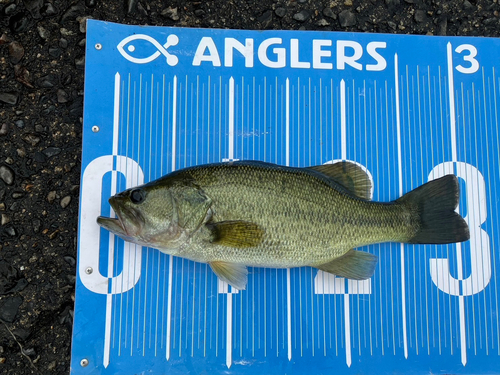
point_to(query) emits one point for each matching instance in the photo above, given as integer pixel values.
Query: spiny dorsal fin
(355, 265)
(232, 273)
(350, 175)
(236, 233)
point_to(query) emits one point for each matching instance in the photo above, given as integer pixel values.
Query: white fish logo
(172, 40)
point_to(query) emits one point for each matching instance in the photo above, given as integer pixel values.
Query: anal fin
(234, 274)
(355, 265)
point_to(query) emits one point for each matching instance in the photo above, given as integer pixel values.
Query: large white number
(480, 260)
(90, 240)
(474, 64)
(326, 283)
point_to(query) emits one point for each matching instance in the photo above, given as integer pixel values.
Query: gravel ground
(42, 45)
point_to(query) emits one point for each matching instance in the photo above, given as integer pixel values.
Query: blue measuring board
(408, 109)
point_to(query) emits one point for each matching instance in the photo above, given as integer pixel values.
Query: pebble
(90, 3)
(11, 232)
(80, 62)
(65, 201)
(9, 160)
(62, 96)
(467, 5)
(49, 9)
(34, 6)
(51, 151)
(18, 22)
(8, 277)
(73, 12)
(266, 19)
(302, 16)
(348, 3)
(10, 9)
(44, 34)
(171, 13)
(5, 219)
(31, 139)
(83, 23)
(7, 174)
(2, 206)
(130, 6)
(55, 52)
(66, 32)
(17, 195)
(347, 18)
(420, 15)
(4, 129)
(63, 43)
(36, 223)
(19, 124)
(322, 22)
(328, 12)
(16, 52)
(199, 12)
(8, 98)
(70, 260)
(51, 196)
(9, 309)
(280, 12)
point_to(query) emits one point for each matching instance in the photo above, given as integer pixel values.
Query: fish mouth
(127, 222)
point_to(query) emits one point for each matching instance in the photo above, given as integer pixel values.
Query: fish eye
(137, 196)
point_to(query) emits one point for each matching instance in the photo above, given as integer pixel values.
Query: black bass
(248, 213)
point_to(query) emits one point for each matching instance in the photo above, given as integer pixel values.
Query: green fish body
(239, 214)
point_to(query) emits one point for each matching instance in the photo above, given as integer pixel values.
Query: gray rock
(8, 277)
(83, 23)
(16, 52)
(4, 129)
(10, 231)
(34, 6)
(31, 138)
(55, 52)
(171, 13)
(392, 25)
(322, 22)
(5, 219)
(328, 12)
(49, 9)
(347, 18)
(266, 19)
(420, 15)
(10, 9)
(44, 34)
(62, 96)
(302, 16)
(70, 260)
(19, 22)
(90, 3)
(8, 98)
(51, 196)
(7, 174)
(51, 151)
(65, 201)
(63, 43)
(280, 12)
(80, 62)
(130, 6)
(73, 12)
(9, 309)
(467, 5)
(36, 223)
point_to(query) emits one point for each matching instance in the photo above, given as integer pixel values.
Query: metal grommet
(89, 270)
(95, 129)
(98, 46)
(84, 362)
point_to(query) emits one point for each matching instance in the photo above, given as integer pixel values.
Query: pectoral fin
(236, 233)
(356, 265)
(233, 274)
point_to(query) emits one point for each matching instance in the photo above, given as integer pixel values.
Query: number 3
(474, 64)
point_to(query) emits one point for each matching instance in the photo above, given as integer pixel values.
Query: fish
(240, 214)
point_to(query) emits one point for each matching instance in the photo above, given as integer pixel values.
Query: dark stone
(34, 6)
(10, 9)
(62, 96)
(9, 309)
(8, 98)
(347, 18)
(10, 231)
(328, 12)
(420, 15)
(49, 109)
(80, 62)
(36, 223)
(302, 16)
(51, 151)
(7, 174)
(266, 19)
(4, 129)
(19, 124)
(30, 352)
(18, 22)
(49, 9)
(8, 277)
(21, 284)
(73, 12)
(55, 52)
(130, 6)
(171, 13)
(468, 5)
(63, 43)
(280, 12)
(199, 12)
(90, 3)
(70, 260)
(47, 81)
(16, 52)
(31, 138)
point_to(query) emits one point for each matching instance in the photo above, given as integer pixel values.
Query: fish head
(145, 215)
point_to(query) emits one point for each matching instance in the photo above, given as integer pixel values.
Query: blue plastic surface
(408, 108)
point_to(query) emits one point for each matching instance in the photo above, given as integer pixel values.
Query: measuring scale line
(288, 288)
(458, 246)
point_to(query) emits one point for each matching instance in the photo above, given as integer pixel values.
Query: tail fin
(435, 202)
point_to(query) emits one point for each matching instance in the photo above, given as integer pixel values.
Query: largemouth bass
(248, 213)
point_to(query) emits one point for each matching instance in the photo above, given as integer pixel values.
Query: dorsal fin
(349, 175)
